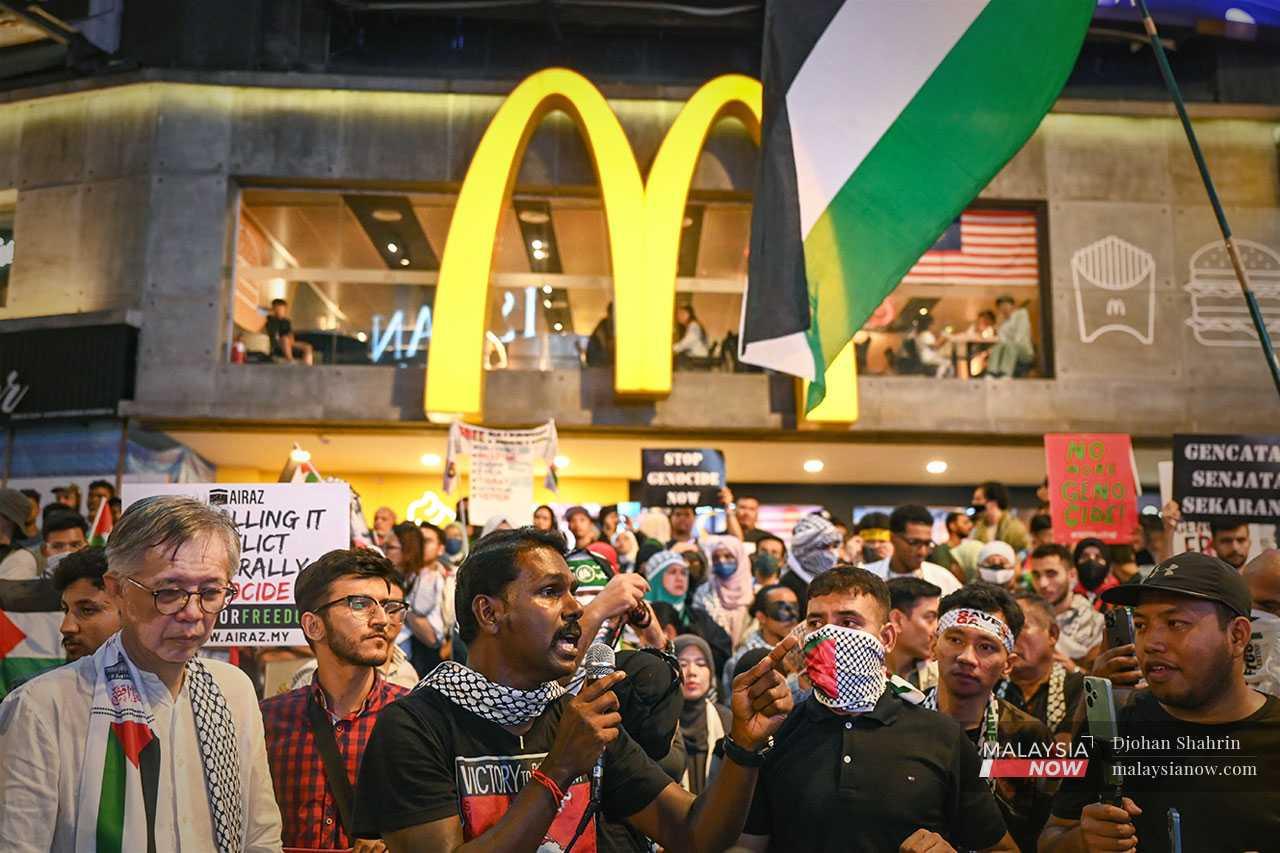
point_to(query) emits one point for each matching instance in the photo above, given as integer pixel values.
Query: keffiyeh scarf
(497, 703)
(1056, 705)
(846, 668)
(120, 775)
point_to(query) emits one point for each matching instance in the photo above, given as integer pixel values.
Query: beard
(1217, 678)
(351, 650)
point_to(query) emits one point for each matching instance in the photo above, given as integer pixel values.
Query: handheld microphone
(599, 662)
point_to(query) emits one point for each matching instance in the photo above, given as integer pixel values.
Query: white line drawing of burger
(1219, 315)
(1115, 285)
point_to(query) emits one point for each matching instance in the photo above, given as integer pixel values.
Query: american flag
(983, 247)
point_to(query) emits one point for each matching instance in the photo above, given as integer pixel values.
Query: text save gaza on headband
(967, 617)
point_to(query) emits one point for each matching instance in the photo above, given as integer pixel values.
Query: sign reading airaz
(682, 477)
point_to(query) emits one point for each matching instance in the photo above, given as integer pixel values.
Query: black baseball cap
(1190, 574)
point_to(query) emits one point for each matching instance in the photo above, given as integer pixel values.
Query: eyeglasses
(918, 544)
(363, 605)
(171, 600)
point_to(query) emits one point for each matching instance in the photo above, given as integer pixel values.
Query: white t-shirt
(932, 572)
(20, 565)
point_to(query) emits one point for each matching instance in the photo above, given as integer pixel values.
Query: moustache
(571, 632)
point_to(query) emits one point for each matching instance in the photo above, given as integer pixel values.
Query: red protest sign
(1092, 486)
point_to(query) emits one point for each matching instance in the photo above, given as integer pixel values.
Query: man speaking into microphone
(494, 756)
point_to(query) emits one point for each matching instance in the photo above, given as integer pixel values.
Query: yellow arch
(644, 227)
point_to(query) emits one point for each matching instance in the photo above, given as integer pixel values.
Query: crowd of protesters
(836, 686)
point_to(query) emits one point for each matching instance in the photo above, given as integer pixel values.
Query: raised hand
(761, 699)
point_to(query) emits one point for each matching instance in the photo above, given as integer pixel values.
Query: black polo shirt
(867, 782)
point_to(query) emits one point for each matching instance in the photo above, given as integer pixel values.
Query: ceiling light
(392, 248)
(537, 244)
(546, 303)
(924, 311)
(559, 327)
(361, 337)
(534, 217)
(404, 262)
(936, 466)
(813, 466)
(386, 214)
(546, 288)
(687, 222)
(539, 254)
(562, 461)
(299, 455)
(431, 460)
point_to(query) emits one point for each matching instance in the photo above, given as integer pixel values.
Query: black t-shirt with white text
(429, 759)
(1224, 779)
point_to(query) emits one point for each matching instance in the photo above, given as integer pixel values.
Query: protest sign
(674, 478)
(1227, 476)
(501, 468)
(283, 528)
(1093, 486)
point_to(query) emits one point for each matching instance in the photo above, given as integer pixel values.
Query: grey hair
(166, 522)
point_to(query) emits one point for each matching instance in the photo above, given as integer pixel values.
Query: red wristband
(550, 784)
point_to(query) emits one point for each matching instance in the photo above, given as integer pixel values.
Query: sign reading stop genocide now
(1093, 486)
(283, 528)
(675, 478)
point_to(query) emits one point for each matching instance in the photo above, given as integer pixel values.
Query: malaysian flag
(983, 247)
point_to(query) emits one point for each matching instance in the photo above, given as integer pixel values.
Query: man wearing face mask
(815, 547)
(856, 767)
(992, 519)
(997, 564)
(911, 527)
(977, 628)
(1092, 560)
(776, 612)
(1262, 659)
(1081, 627)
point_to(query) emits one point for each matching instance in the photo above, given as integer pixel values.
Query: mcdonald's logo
(644, 221)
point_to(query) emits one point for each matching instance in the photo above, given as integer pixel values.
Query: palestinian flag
(820, 665)
(30, 642)
(882, 121)
(102, 525)
(306, 473)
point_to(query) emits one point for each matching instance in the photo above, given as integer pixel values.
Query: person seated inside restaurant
(691, 338)
(279, 329)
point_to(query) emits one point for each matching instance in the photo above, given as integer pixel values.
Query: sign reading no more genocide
(1093, 487)
(675, 478)
(1227, 476)
(283, 528)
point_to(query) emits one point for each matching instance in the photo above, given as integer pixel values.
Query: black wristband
(744, 757)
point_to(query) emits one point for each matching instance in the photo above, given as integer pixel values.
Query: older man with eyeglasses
(142, 745)
(351, 609)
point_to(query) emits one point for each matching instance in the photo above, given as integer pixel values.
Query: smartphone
(1100, 712)
(1175, 831)
(1119, 627)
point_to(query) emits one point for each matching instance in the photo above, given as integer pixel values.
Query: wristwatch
(742, 756)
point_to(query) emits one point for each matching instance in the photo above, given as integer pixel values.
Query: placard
(675, 478)
(501, 468)
(1093, 487)
(283, 528)
(1227, 476)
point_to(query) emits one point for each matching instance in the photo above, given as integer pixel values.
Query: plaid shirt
(307, 807)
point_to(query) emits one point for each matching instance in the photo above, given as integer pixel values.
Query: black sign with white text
(1227, 476)
(66, 372)
(674, 478)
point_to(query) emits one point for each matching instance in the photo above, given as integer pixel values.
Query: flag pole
(1255, 312)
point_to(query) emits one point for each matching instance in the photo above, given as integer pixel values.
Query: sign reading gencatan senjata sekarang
(283, 528)
(1227, 476)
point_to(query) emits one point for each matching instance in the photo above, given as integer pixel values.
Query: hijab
(654, 569)
(726, 599)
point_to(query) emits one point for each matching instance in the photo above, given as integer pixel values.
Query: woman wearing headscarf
(668, 576)
(497, 522)
(703, 723)
(727, 593)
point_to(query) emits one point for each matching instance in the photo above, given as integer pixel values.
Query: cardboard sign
(1092, 486)
(1227, 476)
(682, 477)
(283, 528)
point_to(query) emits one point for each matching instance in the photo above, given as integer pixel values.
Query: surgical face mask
(724, 568)
(1092, 573)
(977, 511)
(996, 575)
(846, 668)
(820, 562)
(452, 546)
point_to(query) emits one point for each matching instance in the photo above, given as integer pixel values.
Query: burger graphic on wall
(1219, 314)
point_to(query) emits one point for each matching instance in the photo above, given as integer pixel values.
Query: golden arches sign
(644, 220)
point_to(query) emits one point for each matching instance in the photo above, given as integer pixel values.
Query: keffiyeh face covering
(967, 617)
(846, 667)
(497, 703)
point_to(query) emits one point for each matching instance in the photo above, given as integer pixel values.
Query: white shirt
(20, 565)
(932, 572)
(44, 725)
